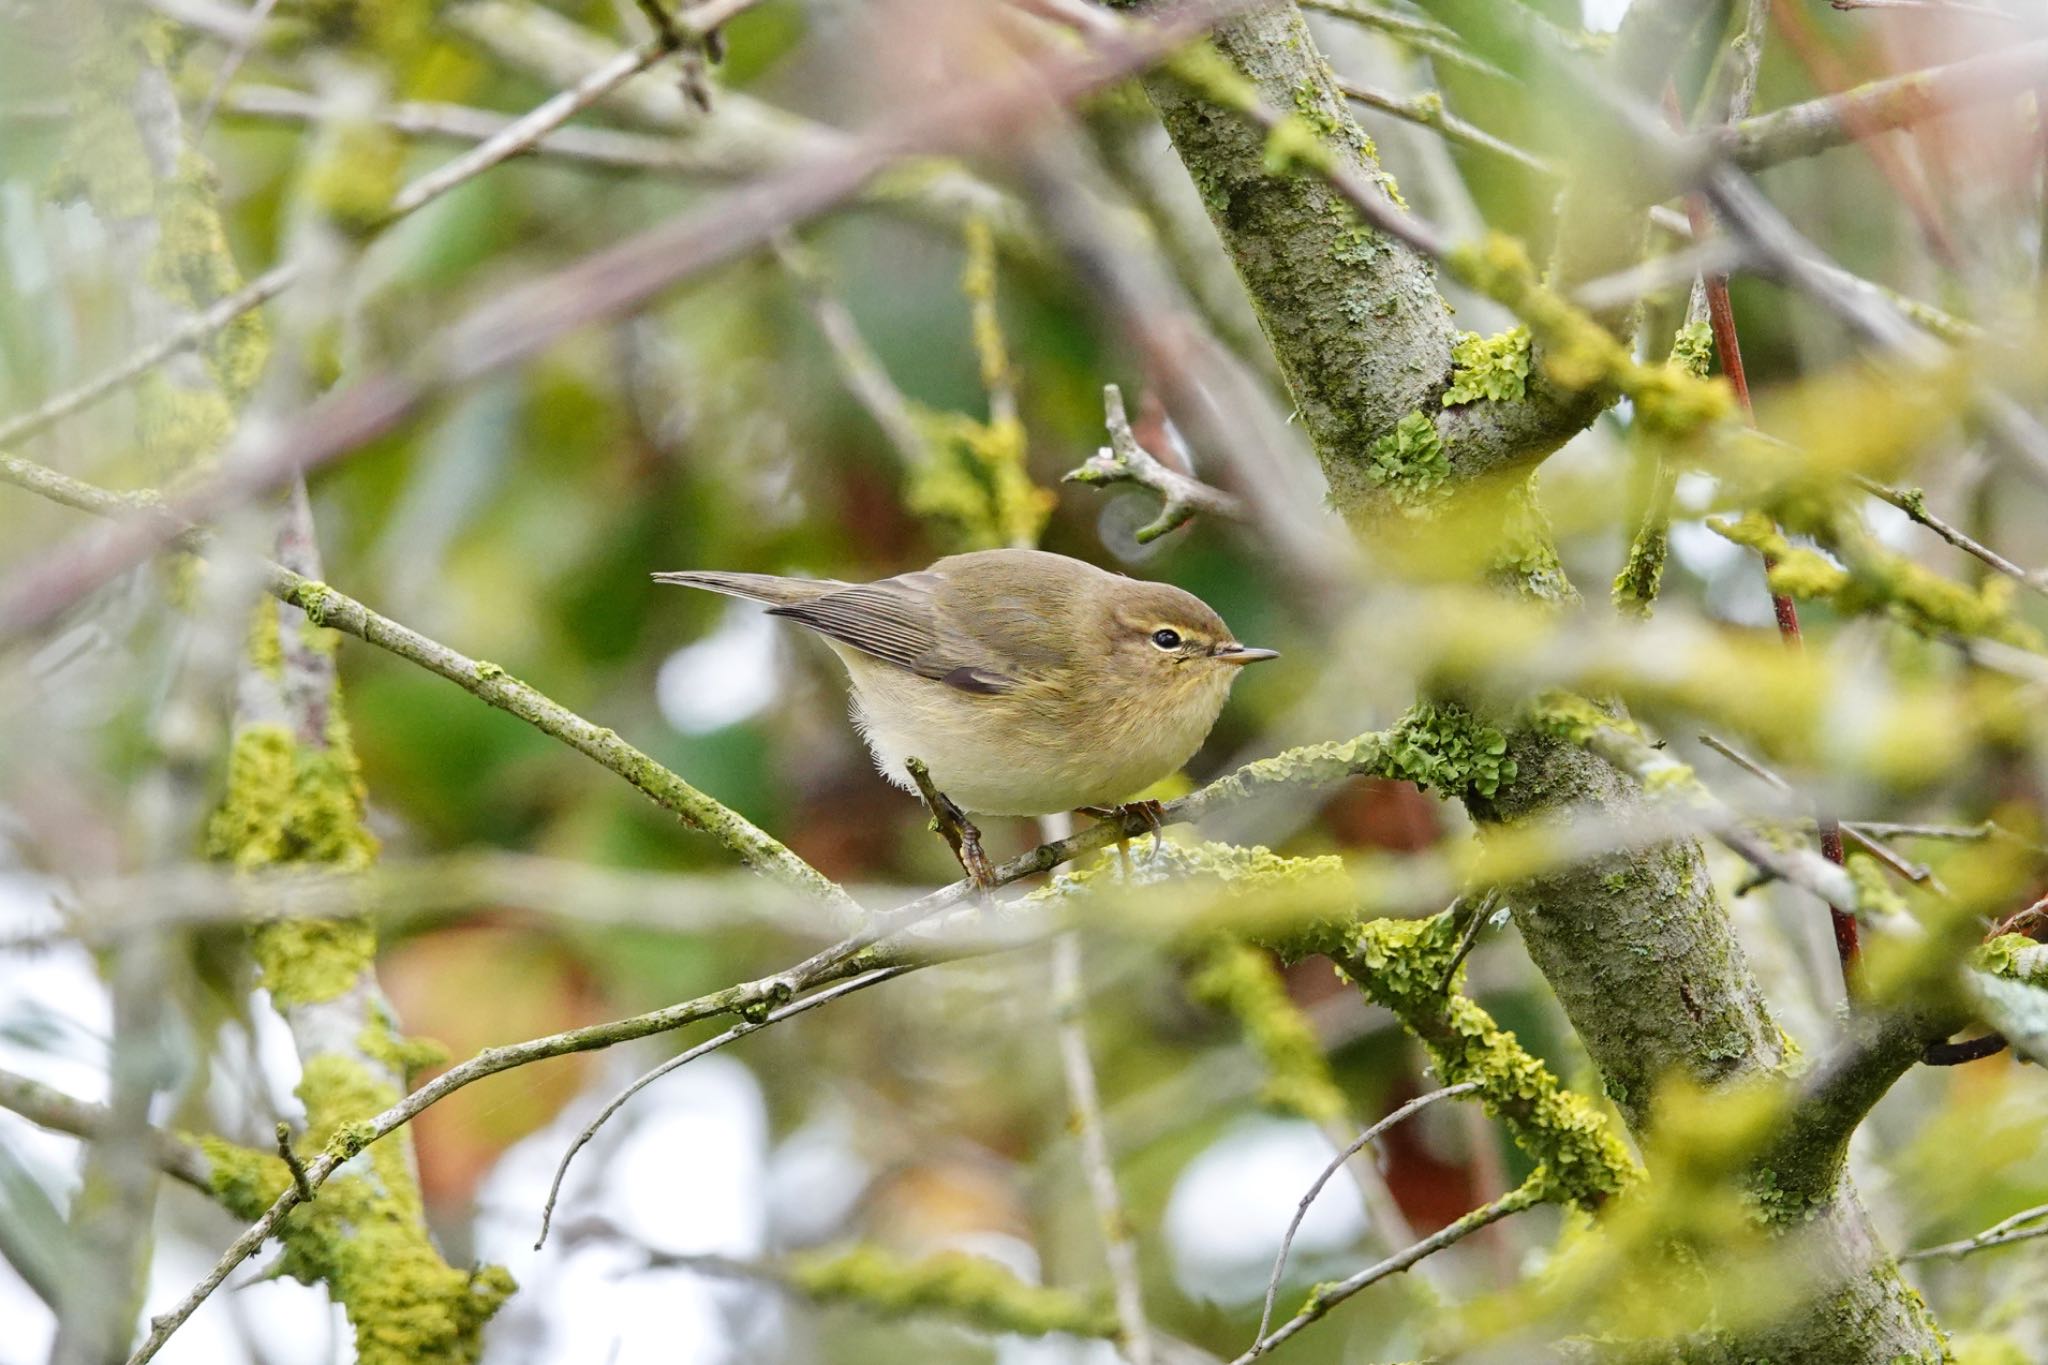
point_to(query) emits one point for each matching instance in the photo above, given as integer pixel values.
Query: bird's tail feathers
(757, 587)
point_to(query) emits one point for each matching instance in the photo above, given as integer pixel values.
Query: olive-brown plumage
(1027, 682)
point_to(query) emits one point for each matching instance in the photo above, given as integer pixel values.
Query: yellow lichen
(969, 1289)
(1242, 980)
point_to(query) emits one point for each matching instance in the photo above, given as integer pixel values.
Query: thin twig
(230, 63)
(1414, 1106)
(1934, 6)
(1427, 110)
(1325, 1297)
(2002, 1233)
(682, 1059)
(1913, 503)
(1125, 460)
(1917, 873)
(1085, 1103)
(292, 1162)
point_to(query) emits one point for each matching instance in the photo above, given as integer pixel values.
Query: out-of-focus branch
(1882, 105)
(47, 1107)
(512, 138)
(859, 366)
(1424, 36)
(1125, 460)
(1917, 873)
(1326, 1297)
(617, 280)
(1092, 1140)
(327, 607)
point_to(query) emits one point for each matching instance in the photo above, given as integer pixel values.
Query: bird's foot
(955, 828)
(1151, 812)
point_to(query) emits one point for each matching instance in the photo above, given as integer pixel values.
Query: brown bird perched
(1027, 683)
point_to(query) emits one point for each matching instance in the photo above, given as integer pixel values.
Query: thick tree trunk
(1636, 945)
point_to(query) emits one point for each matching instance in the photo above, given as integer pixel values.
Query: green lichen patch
(1878, 581)
(245, 1181)
(1578, 353)
(976, 483)
(1636, 586)
(353, 174)
(1493, 369)
(1406, 965)
(287, 802)
(971, 1290)
(291, 803)
(1410, 465)
(1445, 748)
(364, 1235)
(1242, 981)
(1692, 349)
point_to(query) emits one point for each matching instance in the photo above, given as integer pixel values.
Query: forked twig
(1358, 1144)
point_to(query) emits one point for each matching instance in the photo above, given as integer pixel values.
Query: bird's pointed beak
(1242, 654)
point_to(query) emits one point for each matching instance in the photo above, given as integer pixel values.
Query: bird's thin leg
(1151, 812)
(954, 826)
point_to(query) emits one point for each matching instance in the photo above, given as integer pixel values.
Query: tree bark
(1636, 945)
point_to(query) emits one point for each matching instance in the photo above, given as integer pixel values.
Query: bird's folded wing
(897, 621)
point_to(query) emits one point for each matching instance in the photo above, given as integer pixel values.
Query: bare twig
(2023, 1226)
(682, 1059)
(1125, 460)
(1119, 1249)
(1913, 503)
(1414, 1106)
(1326, 1297)
(1427, 110)
(1917, 873)
(230, 63)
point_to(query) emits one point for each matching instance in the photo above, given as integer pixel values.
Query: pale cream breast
(1011, 754)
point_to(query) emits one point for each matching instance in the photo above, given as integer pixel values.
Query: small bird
(1027, 683)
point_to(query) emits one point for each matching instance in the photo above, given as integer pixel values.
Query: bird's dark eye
(1165, 638)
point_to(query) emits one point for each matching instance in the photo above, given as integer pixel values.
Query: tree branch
(327, 607)
(1125, 460)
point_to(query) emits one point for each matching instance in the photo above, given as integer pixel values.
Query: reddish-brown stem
(1728, 348)
(1827, 72)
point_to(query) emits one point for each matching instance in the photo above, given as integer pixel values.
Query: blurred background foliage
(520, 520)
